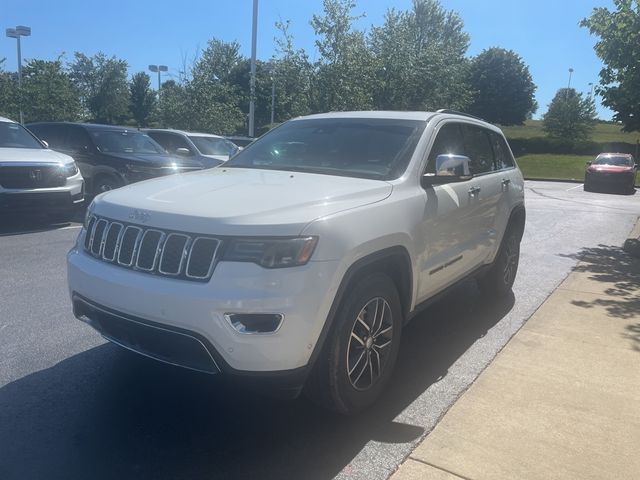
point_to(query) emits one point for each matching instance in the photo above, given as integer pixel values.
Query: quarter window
(501, 150)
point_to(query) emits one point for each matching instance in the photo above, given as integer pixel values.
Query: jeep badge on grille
(140, 216)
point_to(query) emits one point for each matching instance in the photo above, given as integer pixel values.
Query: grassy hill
(604, 132)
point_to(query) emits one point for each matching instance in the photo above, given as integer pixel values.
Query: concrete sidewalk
(562, 399)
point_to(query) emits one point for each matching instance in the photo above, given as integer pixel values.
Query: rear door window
(478, 148)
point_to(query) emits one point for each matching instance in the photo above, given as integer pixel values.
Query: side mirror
(44, 143)
(449, 169)
(183, 152)
(588, 163)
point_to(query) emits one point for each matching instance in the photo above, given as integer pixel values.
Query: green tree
(173, 108)
(420, 59)
(503, 90)
(8, 93)
(213, 97)
(103, 86)
(345, 71)
(48, 92)
(142, 100)
(570, 116)
(618, 48)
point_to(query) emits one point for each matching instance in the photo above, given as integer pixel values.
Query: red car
(611, 170)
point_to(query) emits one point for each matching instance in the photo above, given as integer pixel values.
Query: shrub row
(525, 146)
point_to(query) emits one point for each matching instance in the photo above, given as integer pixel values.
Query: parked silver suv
(35, 179)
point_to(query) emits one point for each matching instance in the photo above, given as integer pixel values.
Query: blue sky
(544, 32)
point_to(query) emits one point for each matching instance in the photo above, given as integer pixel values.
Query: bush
(524, 146)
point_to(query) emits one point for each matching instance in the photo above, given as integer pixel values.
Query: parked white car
(299, 261)
(203, 146)
(35, 179)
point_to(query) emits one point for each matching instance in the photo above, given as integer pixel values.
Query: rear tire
(361, 351)
(499, 280)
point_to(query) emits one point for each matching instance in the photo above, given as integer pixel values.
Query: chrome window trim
(116, 248)
(93, 239)
(183, 255)
(159, 246)
(135, 245)
(213, 258)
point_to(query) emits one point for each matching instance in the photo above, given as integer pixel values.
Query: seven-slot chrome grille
(186, 256)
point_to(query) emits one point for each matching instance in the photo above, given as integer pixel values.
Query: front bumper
(51, 200)
(609, 179)
(302, 294)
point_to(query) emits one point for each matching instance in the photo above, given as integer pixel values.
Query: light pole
(19, 31)
(273, 91)
(252, 88)
(591, 91)
(158, 68)
(570, 73)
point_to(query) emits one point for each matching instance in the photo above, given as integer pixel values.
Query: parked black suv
(109, 156)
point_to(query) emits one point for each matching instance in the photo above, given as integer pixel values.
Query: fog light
(255, 323)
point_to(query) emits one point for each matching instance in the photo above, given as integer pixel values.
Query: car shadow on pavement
(108, 413)
(12, 224)
(612, 265)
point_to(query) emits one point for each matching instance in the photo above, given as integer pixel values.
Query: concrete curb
(632, 244)
(560, 180)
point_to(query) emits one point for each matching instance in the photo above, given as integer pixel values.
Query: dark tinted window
(77, 139)
(124, 141)
(374, 148)
(478, 148)
(448, 141)
(213, 146)
(52, 134)
(501, 151)
(170, 141)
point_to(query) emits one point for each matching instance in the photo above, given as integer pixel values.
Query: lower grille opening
(162, 344)
(255, 322)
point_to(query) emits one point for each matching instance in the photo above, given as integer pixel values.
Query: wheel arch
(393, 261)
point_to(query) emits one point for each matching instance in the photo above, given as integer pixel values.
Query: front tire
(499, 280)
(361, 351)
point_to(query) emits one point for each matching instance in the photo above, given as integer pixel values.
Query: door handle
(506, 182)
(474, 190)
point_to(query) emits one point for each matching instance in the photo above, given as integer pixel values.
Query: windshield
(213, 145)
(618, 161)
(14, 135)
(356, 147)
(125, 141)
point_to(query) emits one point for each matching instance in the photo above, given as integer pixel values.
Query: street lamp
(158, 68)
(252, 88)
(570, 73)
(272, 71)
(591, 91)
(19, 31)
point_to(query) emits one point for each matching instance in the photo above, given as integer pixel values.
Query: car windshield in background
(122, 141)
(14, 135)
(618, 161)
(355, 147)
(212, 145)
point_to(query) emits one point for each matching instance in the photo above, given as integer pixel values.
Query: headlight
(88, 214)
(271, 253)
(69, 169)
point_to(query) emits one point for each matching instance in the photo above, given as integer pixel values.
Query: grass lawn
(603, 132)
(564, 167)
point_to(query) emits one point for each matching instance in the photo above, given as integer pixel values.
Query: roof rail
(455, 112)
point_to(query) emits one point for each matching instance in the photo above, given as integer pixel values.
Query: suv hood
(30, 155)
(238, 201)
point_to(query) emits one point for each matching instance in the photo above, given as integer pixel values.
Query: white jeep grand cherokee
(299, 261)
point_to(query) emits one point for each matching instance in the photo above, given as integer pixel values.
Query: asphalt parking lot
(73, 406)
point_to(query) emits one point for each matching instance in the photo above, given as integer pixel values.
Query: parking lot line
(573, 188)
